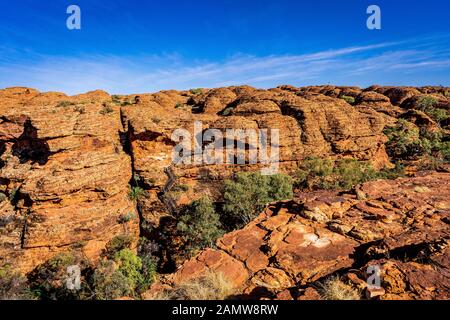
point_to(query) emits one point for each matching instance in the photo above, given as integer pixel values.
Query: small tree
(13, 285)
(427, 104)
(199, 224)
(248, 193)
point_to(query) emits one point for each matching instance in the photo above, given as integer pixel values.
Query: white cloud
(359, 65)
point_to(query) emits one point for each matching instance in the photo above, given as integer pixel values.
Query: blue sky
(145, 46)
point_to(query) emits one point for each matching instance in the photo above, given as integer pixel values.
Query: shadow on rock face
(29, 147)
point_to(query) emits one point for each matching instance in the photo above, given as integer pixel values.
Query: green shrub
(447, 94)
(199, 225)
(427, 105)
(124, 275)
(226, 111)
(316, 173)
(130, 265)
(13, 195)
(196, 91)
(248, 193)
(126, 217)
(135, 193)
(179, 105)
(109, 283)
(3, 197)
(406, 141)
(48, 280)
(349, 99)
(13, 285)
(147, 251)
(64, 104)
(117, 244)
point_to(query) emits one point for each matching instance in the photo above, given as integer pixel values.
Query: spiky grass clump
(210, 286)
(335, 289)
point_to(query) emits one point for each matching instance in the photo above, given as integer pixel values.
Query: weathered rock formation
(401, 226)
(66, 163)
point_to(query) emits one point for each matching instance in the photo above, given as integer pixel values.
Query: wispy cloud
(389, 62)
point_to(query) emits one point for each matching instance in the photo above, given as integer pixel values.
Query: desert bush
(248, 193)
(316, 173)
(13, 195)
(48, 280)
(126, 217)
(3, 197)
(64, 104)
(126, 274)
(227, 111)
(180, 188)
(199, 225)
(335, 289)
(211, 286)
(427, 105)
(13, 285)
(106, 109)
(349, 99)
(196, 91)
(179, 105)
(117, 244)
(130, 265)
(406, 141)
(109, 283)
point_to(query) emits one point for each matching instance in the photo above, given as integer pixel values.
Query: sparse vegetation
(335, 289)
(349, 99)
(13, 285)
(407, 141)
(135, 193)
(48, 281)
(13, 195)
(226, 111)
(118, 243)
(196, 91)
(106, 109)
(179, 105)
(199, 225)
(210, 286)
(64, 104)
(126, 217)
(427, 105)
(3, 197)
(79, 109)
(109, 283)
(317, 173)
(156, 120)
(248, 193)
(181, 188)
(123, 275)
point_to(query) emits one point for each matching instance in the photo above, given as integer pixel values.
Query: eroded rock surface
(66, 164)
(64, 169)
(400, 225)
